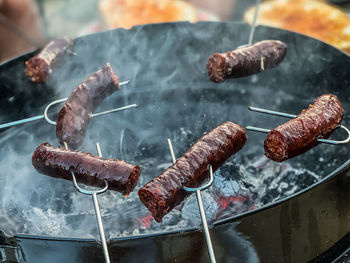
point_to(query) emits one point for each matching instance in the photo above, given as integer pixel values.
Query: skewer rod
(205, 226)
(124, 82)
(98, 214)
(271, 112)
(252, 30)
(98, 147)
(172, 151)
(114, 110)
(200, 205)
(256, 129)
(13, 123)
(96, 205)
(100, 227)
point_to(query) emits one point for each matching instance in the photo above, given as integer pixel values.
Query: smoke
(166, 68)
(36, 204)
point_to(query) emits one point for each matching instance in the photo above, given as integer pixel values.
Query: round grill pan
(166, 66)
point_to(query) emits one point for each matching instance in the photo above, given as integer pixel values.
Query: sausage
(39, 67)
(74, 117)
(246, 60)
(301, 133)
(88, 169)
(163, 193)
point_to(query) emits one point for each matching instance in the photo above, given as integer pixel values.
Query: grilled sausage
(74, 117)
(88, 169)
(164, 192)
(301, 133)
(245, 61)
(39, 67)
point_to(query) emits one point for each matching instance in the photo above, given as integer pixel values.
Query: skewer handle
(205, 226)
(100, 227)
(252, 30)
(98, 214)
(200, 204)
(96, 206)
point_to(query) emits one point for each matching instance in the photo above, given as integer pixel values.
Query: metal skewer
(252, 29)
(292, 116)
(44, 116)
(96, 205)
(200, 204)
(253, 25)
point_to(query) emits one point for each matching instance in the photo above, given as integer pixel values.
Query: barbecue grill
(293, 215)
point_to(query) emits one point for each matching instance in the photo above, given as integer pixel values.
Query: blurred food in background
(24, 24)
(310, 17)
(223, 9)
(127, 13)
(20, 27)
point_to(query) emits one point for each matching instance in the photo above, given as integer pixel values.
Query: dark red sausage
(88, 169)
(74, 117)
(164, 192)
(246, 61)
(39, 67)
(301, 133)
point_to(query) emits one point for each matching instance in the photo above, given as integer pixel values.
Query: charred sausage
(39, 67)
(245, 61)
(301, 133)
(88, 169)
(74, 117)
(164, 192)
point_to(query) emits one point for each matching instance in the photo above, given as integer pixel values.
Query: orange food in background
(128, 13)
(314, 18)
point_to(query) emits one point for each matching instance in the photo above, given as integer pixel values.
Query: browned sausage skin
(301, 133)
(74, 117)
(39, 67)
(88, 169)
(164, 192)
(247, 60)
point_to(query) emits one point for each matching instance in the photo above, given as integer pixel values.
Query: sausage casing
(39, 67)
(88, 169)
(301, 133)
(164, 192)
(246, 60)
(74, 117)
